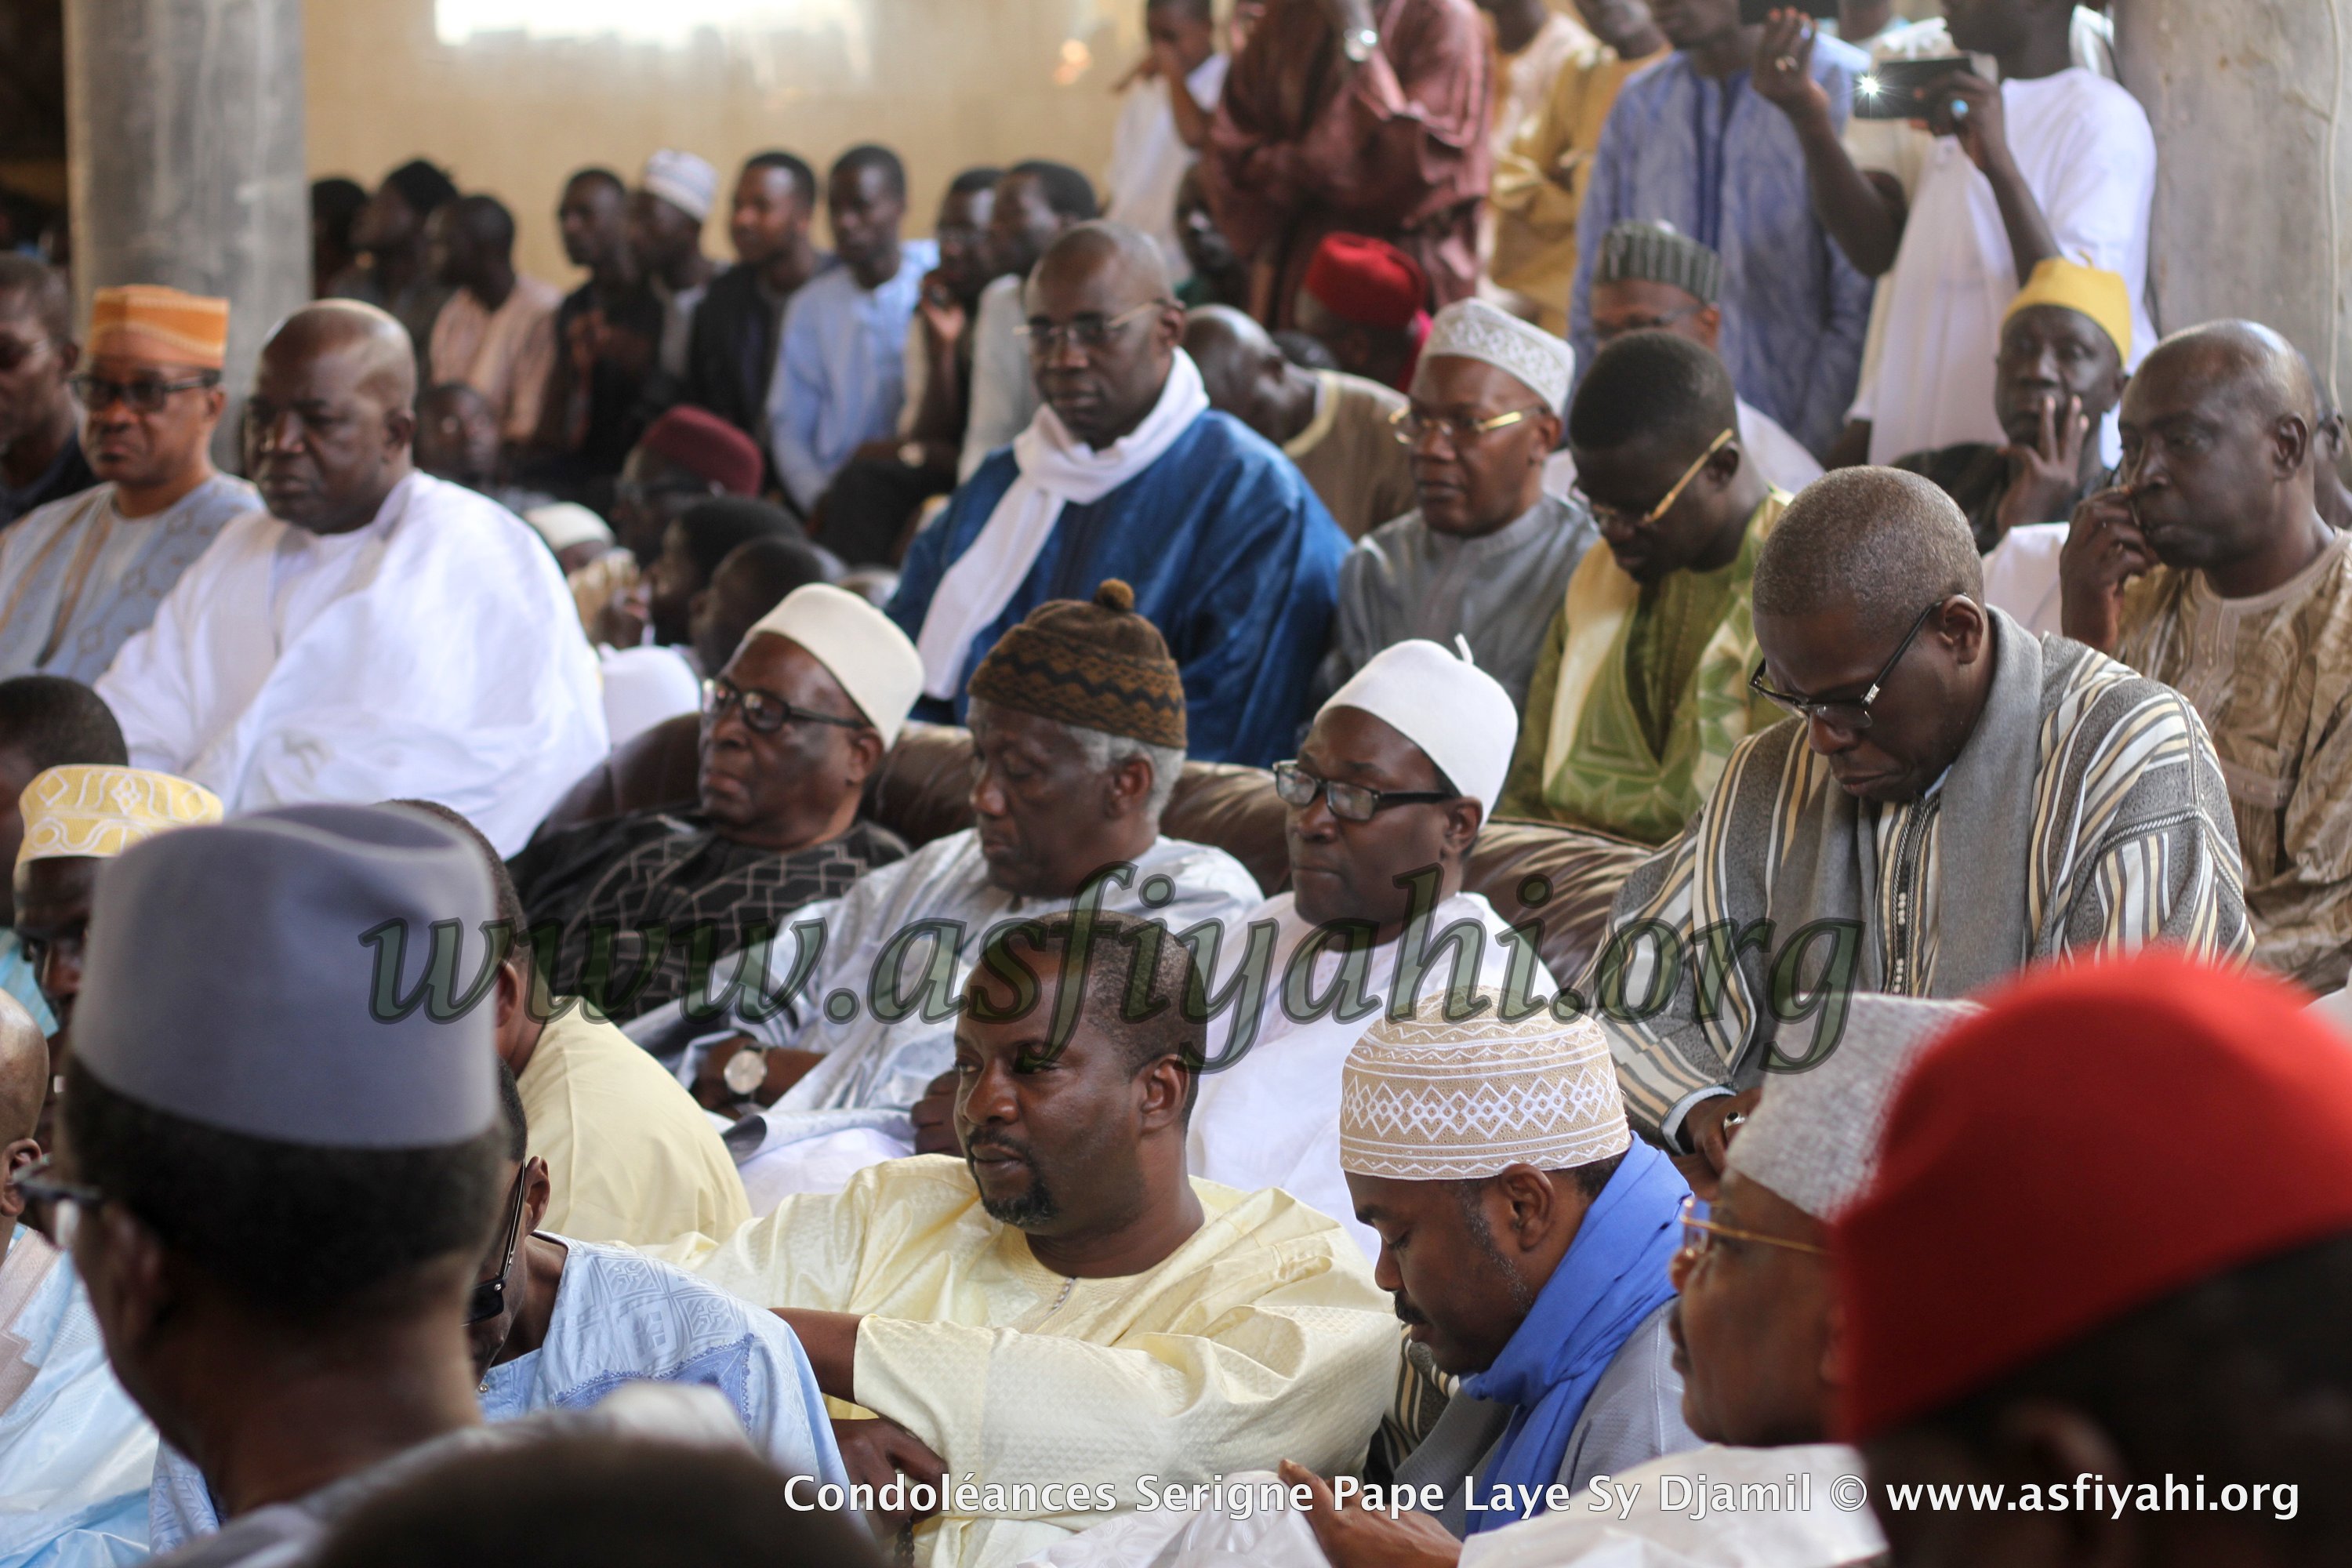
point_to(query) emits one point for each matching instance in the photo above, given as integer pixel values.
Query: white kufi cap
(864, 649)
(1459, 715)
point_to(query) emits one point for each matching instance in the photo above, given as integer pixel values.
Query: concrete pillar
(2253, 205)
(185, 159)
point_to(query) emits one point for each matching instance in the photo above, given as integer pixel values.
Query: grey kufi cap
(1638, 251)
(1813, 1138)
(227, 983)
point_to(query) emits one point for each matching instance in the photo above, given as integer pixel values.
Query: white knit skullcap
(565, 523)
(683, 180)
(1459, 715)
(1472, 329)
(1422, 1100)
(1813, 1138)
(864, 649)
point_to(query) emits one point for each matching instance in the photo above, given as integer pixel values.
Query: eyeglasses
(1849, 715)
(763, 711)
(1349, 803)
(1461, 430)
(489, 1297)
(1600, 508)
(146, 395)
(1699, 1235)
(1089, 331)
(45, 1196)
(638, 494)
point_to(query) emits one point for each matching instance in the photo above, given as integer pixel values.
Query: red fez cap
(1366, 281)
(698, 440)
(2095, 1140)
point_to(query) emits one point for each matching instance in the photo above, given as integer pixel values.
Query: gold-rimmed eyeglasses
(1700, 1234)
(1600, 508)
(1461, 430)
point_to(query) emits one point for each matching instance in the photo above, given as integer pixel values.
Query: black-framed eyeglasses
(1349, 803)
(763, 711)
(1088, 331)
(489, 1297)
(47, 1193)
(1461, 430)
(1847, 715)
(146, 395)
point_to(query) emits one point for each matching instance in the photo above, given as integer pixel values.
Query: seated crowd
(660, 933)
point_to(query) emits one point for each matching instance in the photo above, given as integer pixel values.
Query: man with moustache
(1077, 723)
(79, 576)
(1954, 800)
(2209, 568)
(376, 634)
(1061, 1304)
(1126, 472)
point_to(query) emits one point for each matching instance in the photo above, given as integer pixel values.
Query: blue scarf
(1613, 1276)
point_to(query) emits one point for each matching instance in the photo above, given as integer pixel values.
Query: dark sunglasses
(489, 1297)
(146, 395)
(1349, 803)
(762, 711)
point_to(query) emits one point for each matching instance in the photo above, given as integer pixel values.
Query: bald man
(1127, 472)
(75, 1453)
(1335, 426)
(376, 633)
(497, 333)
(1954, 799)
(2209, 567)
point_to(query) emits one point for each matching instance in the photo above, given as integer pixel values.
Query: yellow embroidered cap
(2101, 295)
(99, 811)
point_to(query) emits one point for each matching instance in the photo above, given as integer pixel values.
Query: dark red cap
(2099, 1138)
(701, 442)
(1366, 281)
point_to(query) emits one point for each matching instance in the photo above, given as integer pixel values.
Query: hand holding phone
(1897, 90)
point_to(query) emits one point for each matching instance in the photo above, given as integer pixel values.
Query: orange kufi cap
(160, 326)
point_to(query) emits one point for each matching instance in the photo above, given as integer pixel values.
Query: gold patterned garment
(1262, 1338)
(1640, 695)
(2271, 678)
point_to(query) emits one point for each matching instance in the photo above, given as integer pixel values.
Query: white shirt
(433, 653)
(1148, 158)
(2086, 153)
(1779, 457)
(1271, 1119)
(2021, 575)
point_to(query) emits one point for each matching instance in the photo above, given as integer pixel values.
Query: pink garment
(505, 354)
(1304, 144)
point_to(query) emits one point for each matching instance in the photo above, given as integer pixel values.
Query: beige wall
(948, 83)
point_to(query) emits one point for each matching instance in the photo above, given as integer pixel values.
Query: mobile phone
(1756, 13)
(1892, 89)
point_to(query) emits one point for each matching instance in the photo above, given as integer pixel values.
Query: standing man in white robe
(377, 632)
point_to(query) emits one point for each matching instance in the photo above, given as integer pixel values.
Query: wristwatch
(747, 1069)
(1358, 43)
(911, 454)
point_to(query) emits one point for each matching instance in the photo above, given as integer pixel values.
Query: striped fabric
(2106, 825)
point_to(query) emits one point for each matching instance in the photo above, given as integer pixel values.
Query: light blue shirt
(17, 978)
(1724, 167)
(75, 1452)
(841, 370)
(78, 579)
(619, 1318)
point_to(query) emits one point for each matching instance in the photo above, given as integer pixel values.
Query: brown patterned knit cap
(1099, 666)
